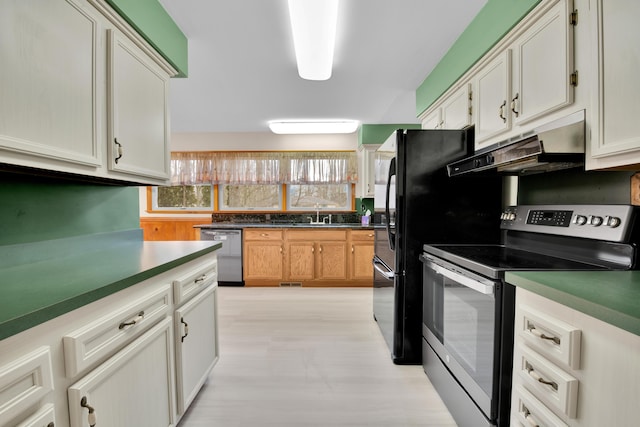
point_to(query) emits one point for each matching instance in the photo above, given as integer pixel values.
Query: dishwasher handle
(382, 269)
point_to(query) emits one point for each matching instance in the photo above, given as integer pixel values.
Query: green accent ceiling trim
(33, 210)
(150, 19)
(493, 21)
(378, 133)
(611, 296)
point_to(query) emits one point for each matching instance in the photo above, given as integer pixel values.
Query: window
(250, 197)
(183, 197)
(318, 196)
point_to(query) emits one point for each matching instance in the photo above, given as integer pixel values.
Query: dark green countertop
(611, 296)
(40, 281)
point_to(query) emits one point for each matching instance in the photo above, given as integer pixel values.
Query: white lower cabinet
(132, 388)
(112, 362)
(24, 382)
(570, 369)
(196, 344)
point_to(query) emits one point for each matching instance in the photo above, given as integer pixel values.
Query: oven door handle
(477, 286)
(388, 274)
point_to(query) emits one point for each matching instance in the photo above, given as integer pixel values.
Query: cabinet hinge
(470, 95)
(573, 18)
(470, 111)
(573, 78)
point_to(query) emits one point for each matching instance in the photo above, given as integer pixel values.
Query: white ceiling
(242, 69)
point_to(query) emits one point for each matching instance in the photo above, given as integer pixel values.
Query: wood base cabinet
(308, 257)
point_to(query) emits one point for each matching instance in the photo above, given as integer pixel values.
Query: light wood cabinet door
(263, 260)
(361, 260)
(49, 105)
(491, 99)
(543, 60)
(301, 260)
(332, 261)
(138, 131)
(132, 388)
(615, 52)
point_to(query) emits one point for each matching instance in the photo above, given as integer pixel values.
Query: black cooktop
(494, 260)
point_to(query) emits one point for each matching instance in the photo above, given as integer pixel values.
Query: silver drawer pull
(541, 335)
(536, 376)
(132, 322)
(186, 329)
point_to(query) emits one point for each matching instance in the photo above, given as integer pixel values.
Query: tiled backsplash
(282, 218)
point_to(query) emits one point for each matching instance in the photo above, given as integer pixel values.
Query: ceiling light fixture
(313, 127)
(313, 24)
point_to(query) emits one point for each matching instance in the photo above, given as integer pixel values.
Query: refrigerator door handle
(382, 269)
(392, 235)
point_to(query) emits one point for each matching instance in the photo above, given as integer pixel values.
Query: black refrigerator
(417, 203)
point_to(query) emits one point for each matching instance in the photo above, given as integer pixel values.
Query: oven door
(461, 321)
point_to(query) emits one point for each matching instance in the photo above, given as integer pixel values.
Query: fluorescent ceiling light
(299, 127)
(313, 23)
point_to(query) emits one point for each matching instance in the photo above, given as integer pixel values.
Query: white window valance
(263, 167)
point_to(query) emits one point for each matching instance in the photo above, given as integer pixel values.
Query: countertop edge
(36, 317)
(596, 310)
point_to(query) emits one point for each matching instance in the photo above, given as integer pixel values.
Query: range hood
(553, 146)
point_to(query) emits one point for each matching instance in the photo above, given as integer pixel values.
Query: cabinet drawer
(104, 336)
(194, 280)
(262, 234)
(530, 411)
(545, 380)
(362, 235)
(550, 336)
(24, 382)
(316, 235)
(45, 417)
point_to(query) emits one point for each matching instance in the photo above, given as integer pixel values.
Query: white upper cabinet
(433, 120)
(491, 102)
(74, 78)
(456, 109)
(615, 139)
(543, 65)
(138, 111)
(48, 103)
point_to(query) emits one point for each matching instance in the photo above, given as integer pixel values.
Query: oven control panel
(601, 222)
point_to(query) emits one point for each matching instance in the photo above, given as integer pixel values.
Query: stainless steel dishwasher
(229, 256)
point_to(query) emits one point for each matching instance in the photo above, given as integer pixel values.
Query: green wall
(37, 209)
(493, 21)
(377, 134)
(150, 19)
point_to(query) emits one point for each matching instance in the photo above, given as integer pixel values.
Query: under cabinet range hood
(553, 146)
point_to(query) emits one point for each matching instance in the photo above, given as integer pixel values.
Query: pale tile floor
(309, 357)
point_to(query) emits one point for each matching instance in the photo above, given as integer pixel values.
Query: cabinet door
(543, 64)
(491, 99)
(614, 96)
(263, 260)
(332, 260)
(301, 260)
(366, 178)
(433, 120)
(197, 348)
(361, 256)
(48, 103)
(138, 114)
(456, 109)
(132, 388)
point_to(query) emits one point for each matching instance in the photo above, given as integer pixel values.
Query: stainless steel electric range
(468, 308)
